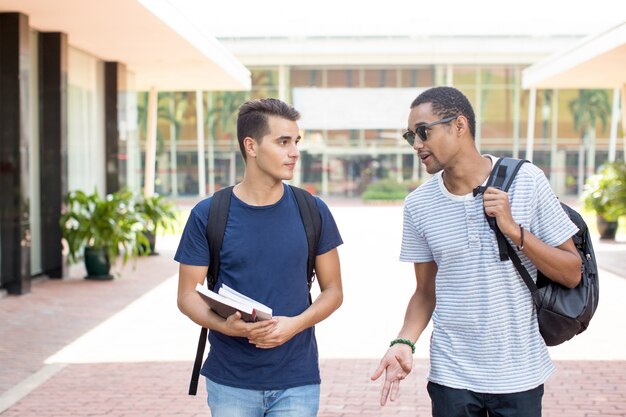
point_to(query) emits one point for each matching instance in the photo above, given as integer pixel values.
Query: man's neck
(259, 193)
(462, 178)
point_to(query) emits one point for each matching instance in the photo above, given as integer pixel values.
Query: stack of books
(227, 301)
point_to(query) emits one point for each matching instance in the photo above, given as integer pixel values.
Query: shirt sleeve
(549, 221)
(414, 246)
(330, 237)
(193, 248)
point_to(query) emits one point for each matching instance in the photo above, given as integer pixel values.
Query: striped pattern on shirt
(485, 335)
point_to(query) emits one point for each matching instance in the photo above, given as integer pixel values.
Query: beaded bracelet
(521, 243)
(404, 342)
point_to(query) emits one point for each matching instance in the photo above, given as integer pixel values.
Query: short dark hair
(448, 102)
(252, 118)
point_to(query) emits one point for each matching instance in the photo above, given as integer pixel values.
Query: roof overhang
(598, 61)
(395, 50)
(157, 42)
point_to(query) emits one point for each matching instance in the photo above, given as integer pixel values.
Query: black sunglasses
(422, 130)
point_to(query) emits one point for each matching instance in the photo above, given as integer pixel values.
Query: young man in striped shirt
(486, 352)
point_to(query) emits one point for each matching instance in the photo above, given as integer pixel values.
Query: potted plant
(605, 194)
(158, 213)
(102, 229)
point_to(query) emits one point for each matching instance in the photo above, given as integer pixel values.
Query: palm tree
(221, 117)
(175, 108)
(142, 116)
(587, 109)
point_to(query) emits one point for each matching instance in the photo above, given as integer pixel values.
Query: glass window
(601, 101)
(417, 77)
(380, 78)
(497, 76)
(264, 83)
(497, 113)
(339, 137)
(464, 76)
(342, 78)
(306, 78)
(85, 124)
(566, 119)
(543, 115)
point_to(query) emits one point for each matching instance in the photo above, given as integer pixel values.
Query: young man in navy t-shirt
(266, 367)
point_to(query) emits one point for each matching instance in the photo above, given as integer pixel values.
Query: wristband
(521, 243)
(404, 342)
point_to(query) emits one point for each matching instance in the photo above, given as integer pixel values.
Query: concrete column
(325, 170)
(479, 107)
(624, 119)
(530, 139)
(15, 233)
(201, 152)
(399, 168)
(449, 75)
(211, 153)
(517, 100)
(283, 83)
(53, 54)
(554, 140)
(114, 107)
(614, 122)
(150, 164)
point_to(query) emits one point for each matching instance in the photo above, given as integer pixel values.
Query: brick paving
(57, 312)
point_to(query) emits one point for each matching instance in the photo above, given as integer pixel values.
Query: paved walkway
(121, 348)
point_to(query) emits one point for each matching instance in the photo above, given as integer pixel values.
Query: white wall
(354, 108)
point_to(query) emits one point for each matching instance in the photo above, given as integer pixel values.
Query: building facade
(68, 110)
(354, 96)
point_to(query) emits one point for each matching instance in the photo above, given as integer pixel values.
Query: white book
(226, 305)
(263, 311)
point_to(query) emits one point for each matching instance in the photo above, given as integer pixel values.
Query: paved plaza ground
(121, 348)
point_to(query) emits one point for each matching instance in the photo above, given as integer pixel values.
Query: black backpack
(216, 225)
(562, 312)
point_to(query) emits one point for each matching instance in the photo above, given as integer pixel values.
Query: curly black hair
(448, 102)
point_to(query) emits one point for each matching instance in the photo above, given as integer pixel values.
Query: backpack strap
(216, 225)
(507, 169)
(310, 214)
(523, 272)
(501, 177)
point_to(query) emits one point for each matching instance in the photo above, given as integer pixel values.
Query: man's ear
(250, 145)
(461, 125)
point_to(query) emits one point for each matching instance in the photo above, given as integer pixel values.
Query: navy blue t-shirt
(263, 256)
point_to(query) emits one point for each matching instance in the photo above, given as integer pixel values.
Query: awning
(155, 40)
(598, 61)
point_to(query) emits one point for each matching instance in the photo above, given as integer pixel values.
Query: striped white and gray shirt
(485, 335)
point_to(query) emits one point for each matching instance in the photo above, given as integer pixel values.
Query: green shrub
(387, 189)
(605, 191)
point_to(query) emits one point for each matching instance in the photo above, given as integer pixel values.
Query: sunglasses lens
(409, 137)
(421, 132)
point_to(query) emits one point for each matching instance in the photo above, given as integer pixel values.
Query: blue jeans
(225, 401)
(451, 402)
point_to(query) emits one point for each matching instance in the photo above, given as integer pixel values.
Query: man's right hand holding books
(234, 326)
